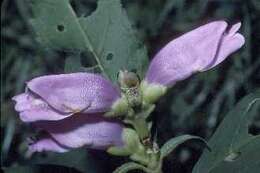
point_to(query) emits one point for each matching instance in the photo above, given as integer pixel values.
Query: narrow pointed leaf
(173, 143)
(233, 148)
(130, 166)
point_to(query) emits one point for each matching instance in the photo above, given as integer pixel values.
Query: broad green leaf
(22, 169)
(130, 166)
(38, 169)
(114, 40)
(170, 145)
(233, 148)
(107, 34)
(73, 64)
(57, 26)
(77, 159)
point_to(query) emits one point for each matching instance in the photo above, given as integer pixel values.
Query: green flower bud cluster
(133, 108)
(136, 150)
(135, 95)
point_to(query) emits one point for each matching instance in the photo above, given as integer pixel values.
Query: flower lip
(234, 29)
(45, 144)
(32, 108)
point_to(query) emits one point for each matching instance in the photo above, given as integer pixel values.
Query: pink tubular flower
(69, 108)
(56, 97)
(92, 131)
(198, 50)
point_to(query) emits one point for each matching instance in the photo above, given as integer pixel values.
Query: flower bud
(119, 108)
(129, 84)
(152, 92)
(132, 144)
(128, 79)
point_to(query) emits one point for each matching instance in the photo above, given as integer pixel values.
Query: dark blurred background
(195, 106)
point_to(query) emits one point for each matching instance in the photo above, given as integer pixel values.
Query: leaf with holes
(170, 145)
(233, 148)
(107, 34)
(73, 65)
(57, 26)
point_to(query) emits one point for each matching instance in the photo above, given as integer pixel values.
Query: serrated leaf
(130, 166)
(173, 143)
(107, 33)
(77, 159)
(233, 148)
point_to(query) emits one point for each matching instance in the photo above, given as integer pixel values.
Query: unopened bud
(152, 92)
(128, 79)
(132, 144)
(119, 108)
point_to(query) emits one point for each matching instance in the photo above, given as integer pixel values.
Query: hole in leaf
(83, 8)
(86, 59)
(109, 56)
(60, 28)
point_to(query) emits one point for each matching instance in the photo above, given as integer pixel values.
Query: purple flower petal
(32, 108)
(92, 131)
(46, 144)
(76, 92)
(230, 43)
(198, 50)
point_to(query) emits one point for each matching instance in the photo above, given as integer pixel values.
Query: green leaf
(107, 34)
(57, 26)
(38, 169)
(77, 159)
(22, 169)
(170, 145)
(233, 148)
(130, 166)
(73, 64)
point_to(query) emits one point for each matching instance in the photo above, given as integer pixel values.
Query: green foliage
(22, 169)
(233, 148)
(57, 26)
(77, 159)
(129, 167)
(195, 106)
(171, 144)
(106, 33)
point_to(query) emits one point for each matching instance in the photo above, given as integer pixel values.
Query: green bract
(132, 144)
(152, 92)
(119, 108)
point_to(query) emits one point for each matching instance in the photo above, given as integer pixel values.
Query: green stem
(138, 121)
(141, 127)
